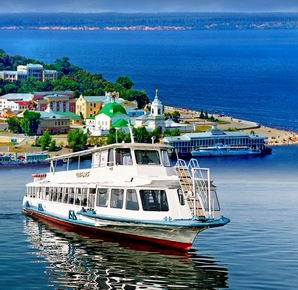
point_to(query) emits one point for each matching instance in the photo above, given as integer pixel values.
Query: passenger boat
(224, 150)
(130, 191)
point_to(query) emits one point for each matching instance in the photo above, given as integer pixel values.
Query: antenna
(131, 133)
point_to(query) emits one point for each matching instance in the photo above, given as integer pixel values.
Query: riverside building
(186, 143)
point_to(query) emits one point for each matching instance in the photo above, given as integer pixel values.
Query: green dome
(111, 109)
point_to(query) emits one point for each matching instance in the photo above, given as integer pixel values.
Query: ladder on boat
(196, 187)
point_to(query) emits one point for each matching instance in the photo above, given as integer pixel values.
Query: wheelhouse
(122, 155)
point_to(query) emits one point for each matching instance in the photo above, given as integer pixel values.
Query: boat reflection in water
(75, 261)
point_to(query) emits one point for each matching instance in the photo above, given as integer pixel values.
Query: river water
(257, 250)
(250, 74)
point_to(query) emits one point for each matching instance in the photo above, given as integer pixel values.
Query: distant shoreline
(98, 28)
(209, 27)
(182, 21)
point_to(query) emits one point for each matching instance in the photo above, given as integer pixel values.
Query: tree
(125, 82)
(14, 125)
(175, 132)
(10, 88)
(77, 140)
(63, 66)
(176, 116)
(52, 146)
(172, 133)
(65, 83)
(141, 135)
(202, 115)
(45, 140)
(30, 122)
(121, 136)
(157, 133)
(134, 95)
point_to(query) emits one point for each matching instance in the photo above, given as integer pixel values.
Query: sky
(8, 6)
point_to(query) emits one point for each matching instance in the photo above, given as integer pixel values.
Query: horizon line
(154, 13)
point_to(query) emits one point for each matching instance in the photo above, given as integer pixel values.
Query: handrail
(196, 180)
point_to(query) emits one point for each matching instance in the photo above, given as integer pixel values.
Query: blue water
(257, 250)
(249, 74)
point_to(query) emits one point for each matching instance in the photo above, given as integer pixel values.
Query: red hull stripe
(85, 229)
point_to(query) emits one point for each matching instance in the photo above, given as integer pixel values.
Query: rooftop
(23, 103)
(189, 136)
(18, 97)
(116, 145)
(113, 108)
(33, 65)
(95, 99)
(54, 93)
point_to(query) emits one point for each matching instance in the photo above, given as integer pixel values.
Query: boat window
(71, 196)
(47, 191)
(132, 200)
(154, 200)
(51, 193)
(165, 158)
(91, 197)
(102, 197)
(117, 198)
(40, 191)
(54, 196)
(78, 197)
(180, 196)
(123, 156)
(84, 197)
(60, 194)
(147, 157)
(65, 198)
(111, 157)
(42, 194)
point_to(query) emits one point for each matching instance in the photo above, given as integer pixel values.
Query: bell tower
(157, 108)
(156, 119)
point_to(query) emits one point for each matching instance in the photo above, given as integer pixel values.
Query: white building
(214, 137)
(172, 125)
(23, 72)
(8, 105)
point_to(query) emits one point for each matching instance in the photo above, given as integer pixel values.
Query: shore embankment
(275, 136)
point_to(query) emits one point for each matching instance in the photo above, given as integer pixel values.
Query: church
(111, 115)
(154, 118)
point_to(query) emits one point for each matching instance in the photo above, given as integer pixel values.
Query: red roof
(23, 103)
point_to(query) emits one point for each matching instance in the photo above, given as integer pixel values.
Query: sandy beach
(275, 136)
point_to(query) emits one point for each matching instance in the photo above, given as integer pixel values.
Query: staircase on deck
(196, 187)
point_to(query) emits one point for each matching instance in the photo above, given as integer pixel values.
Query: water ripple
(77, 262)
